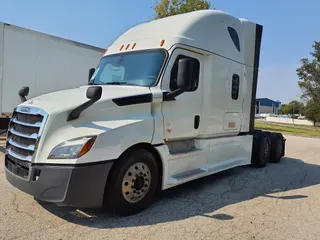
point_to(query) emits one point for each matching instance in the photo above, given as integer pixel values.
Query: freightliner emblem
(25, 109)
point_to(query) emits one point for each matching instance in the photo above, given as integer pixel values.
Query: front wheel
(133, 183)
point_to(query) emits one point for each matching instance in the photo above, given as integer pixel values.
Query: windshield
(135, 68)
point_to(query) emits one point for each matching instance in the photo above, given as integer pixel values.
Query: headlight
(73, 148)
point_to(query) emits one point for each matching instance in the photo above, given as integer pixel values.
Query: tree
(293, 107)
(284, 108)
(165, 8)
(312, 111)
(309, 76)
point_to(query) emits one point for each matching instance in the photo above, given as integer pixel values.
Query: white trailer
(42, 62)
(171, 101)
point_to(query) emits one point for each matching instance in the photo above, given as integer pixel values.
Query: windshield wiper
(115, 83)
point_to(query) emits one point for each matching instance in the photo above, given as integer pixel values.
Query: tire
(129, 190)
(261, 150)
(268, 133)
(277, 147)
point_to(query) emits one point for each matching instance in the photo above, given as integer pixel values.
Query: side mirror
(186, 68)
(185, 75)
(91, 72)
(23, 92)
(94, 93)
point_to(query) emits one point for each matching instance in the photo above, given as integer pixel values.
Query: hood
(60, 101)
(114, 118)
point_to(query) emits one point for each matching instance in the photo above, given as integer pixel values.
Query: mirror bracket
(171, 96)
(94, 94)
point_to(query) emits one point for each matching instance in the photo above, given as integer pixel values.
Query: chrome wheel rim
(136, 182)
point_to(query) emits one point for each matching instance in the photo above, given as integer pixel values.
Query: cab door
(182, 116)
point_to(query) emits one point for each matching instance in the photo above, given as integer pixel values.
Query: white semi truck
(172, 100)
(42, 62)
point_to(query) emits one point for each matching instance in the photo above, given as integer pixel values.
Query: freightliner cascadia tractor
(172, 100)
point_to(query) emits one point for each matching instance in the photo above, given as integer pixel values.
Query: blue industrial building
(266, 105)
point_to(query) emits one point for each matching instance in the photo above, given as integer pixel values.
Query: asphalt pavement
(280, 201)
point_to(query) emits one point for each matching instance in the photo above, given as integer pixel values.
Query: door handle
(196, 121)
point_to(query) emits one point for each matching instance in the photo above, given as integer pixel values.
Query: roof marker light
(162, 42)
(127, 46)
(134, 45)
(121, 47)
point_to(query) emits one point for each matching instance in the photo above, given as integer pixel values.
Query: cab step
(186, 176)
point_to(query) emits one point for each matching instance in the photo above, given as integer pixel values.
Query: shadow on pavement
(204, 196)
(287, 197)
(220, 216)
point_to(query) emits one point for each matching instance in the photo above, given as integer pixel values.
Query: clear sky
(290, 27)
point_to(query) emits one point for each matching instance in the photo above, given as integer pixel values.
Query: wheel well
(145, 146)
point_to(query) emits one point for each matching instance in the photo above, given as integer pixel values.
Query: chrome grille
(29, 119)
(24, 132)
(23, 141)
(20, 151)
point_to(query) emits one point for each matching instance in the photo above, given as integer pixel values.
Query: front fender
(111, 144)
(113, 137)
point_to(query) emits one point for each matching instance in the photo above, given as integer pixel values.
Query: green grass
(289, 129)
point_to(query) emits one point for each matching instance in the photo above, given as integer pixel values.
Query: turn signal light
(86, 148)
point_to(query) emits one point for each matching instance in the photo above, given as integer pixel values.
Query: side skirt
(208, 156)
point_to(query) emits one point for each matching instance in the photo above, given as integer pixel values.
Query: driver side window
(174, 74)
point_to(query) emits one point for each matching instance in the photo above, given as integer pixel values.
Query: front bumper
(77, 185)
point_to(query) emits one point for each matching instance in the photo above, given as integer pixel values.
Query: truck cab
(172, 100)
